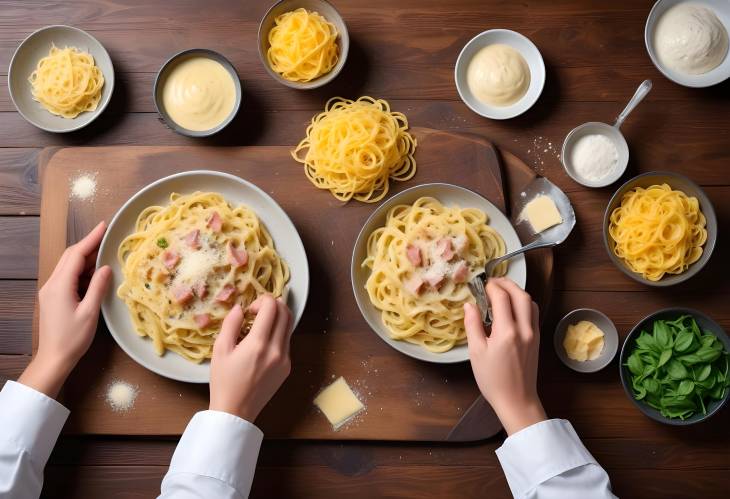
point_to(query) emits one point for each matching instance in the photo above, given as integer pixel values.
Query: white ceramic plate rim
(125, 335)
(534, 61)
(717, 75)
(109, 80)
(467, 198)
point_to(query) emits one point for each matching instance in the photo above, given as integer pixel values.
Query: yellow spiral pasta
(353, 148)
(416, 285)
(302, 46)
(658, 231)
(67, 82)
(180, 277)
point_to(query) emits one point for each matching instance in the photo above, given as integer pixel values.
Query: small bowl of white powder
(595, 154)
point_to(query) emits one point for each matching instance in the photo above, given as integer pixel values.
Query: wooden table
(403, 51)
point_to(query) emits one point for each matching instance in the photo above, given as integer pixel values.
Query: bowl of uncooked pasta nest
(660, 228)
(60, 78)
(303, 44)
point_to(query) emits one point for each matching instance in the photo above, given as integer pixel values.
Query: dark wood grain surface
(404, 51)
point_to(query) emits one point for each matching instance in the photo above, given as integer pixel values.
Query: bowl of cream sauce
(499, 74)
(688, 40)
(197, 92)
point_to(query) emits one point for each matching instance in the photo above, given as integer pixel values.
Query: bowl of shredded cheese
(303, 44)
(60, 78)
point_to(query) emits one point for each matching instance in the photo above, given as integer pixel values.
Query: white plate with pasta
(40, 84)
(183, 250)
(412, 261)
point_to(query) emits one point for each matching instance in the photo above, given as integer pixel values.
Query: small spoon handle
(638, 97)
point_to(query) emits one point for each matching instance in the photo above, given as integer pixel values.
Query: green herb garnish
(162, 243)
(678, 369)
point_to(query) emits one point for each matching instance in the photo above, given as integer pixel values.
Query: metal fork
(479, 282)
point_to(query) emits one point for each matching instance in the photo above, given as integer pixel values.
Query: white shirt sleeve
(30, 423)
(216, 457)
(548, 461)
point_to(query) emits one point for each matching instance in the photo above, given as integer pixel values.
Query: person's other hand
(505, 362)
(245, 375)
(67, 322)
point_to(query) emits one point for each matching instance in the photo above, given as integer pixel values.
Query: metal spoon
(546, 239)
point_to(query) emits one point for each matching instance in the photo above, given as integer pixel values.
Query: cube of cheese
(338, 403)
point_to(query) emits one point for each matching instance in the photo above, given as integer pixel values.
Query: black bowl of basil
(675, 366)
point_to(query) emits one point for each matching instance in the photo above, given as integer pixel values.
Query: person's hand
(67, 323)
(244, 376)
(505, 363)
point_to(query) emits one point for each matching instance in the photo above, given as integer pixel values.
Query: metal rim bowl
(24, 61)
(591, 127)
(326, 10)
(705, 323)
(678, 182)
(610, 345)
(162, 75)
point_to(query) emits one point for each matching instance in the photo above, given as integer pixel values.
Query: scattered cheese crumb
(84, 186)
(121, 396)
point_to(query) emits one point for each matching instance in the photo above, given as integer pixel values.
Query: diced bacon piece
(215, 222)
(461, 242)
(444, 248)
(237, 257)
(201, 289)
(170, 259)
(224, 295)
(460, 272)
(414, 255)
(202, 320)
(414, 285)
(434, 277)
(193, 239)
(183, 294)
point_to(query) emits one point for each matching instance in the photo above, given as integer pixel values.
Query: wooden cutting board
(406, 399)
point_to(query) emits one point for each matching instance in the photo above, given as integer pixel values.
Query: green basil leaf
(708, 354)
(690, 359)
(702, 372)
(683, 341)
(651, 385)
(676, 369)
(664, 357)
(635, 365)
(661, 334)
(686, 387)
(639, 393)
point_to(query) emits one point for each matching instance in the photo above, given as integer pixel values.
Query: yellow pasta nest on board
(353, 149)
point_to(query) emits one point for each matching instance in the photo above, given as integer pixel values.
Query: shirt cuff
(540, 452)
(31, 420)
(221, 446)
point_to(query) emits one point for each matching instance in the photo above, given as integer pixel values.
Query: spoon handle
(638, 97)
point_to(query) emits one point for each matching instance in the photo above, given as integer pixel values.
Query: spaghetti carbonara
(420, 264)
(658, 231)
(67, 82)
(353, 148)
(302, 46)
(187, 263)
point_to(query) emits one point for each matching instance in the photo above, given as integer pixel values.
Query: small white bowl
(610, 340)
(717, 75)
(25, 60)
(525, 47)
(598, 128)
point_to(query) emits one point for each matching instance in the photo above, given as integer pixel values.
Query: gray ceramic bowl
(610, 345)
(25, 60)
(162, 77)
(677, 182)
(326, 10)
(705, 324)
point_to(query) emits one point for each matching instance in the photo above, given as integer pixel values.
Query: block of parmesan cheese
(338, 403)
